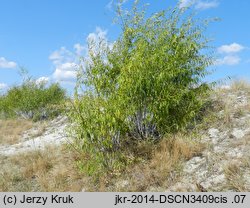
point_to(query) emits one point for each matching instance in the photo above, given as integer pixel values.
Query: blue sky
(47, 36)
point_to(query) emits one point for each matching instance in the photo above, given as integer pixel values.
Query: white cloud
(111, 4)
(186, 3)
(7, 64)
(61, 56)
(65, 72)
(2, 86)
(43, 80)
(66, 61)
(201, 5)
(232, 48)
(230, 51)
(98, 40)
(99, 34)
(79, 49)
(228, 60)
(55, 55)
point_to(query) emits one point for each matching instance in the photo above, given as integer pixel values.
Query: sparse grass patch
(39, 130)
(159, 167)
(50, 170)
(234, 176)
(226, 105)
(11, 130)
(169, 156)
(238, 85)
(227, 112)
(240, 112)
(245, 163)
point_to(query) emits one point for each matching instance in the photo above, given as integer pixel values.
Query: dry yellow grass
(227, 102)
(12, 130)
(50, 170)
(234, 176)
(158, 170)
(241, 84)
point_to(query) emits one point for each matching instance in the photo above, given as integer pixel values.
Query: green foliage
(97, 128)
(32, 100)
(146, 85)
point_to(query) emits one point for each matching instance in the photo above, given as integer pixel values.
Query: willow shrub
(145, 85)
(32, 100)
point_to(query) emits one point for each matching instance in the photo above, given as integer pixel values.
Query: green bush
(147, 85)
(32, 100)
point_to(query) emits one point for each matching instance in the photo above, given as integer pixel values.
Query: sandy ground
(53, 135)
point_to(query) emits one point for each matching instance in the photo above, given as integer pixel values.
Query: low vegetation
(151, 166)
(234, 176)
(32, 100)
(50, 170)
(54, 169)
(11, 130)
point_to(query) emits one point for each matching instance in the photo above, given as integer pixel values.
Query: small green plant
(147, 85)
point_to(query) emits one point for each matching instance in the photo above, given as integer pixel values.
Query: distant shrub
(147, 85)
(32, 100)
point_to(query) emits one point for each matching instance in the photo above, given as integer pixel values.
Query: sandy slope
(54, 135)
(223, 166)
(225, 163)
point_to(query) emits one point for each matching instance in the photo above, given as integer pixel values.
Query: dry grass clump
(241, 84)
(230, 103)
(234, 176)
(158, 170)
(234, 85)
(50, 170)
(12, 130)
